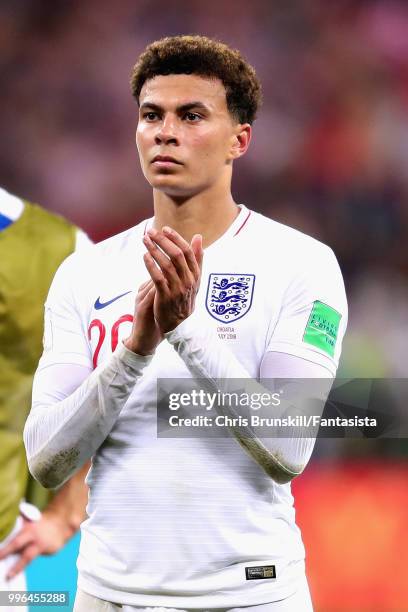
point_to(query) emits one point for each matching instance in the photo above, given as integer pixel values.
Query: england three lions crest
(229, 296)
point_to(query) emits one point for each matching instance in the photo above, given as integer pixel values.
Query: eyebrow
(181, 109)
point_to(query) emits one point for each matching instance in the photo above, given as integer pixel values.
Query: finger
(183, 245)
(30, 553)
(172, 275)
(16, 544)
(180, 254)
(156, 274)
(144, 285)
(197, 248)
(148, 299)
(144, 289)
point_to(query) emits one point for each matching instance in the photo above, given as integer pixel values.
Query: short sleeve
(65, 340)
(313, 316)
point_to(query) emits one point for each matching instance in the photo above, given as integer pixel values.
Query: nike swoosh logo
(98, 304)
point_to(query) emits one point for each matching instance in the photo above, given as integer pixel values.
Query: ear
(240, 140)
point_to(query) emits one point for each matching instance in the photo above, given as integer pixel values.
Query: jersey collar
(234, 229)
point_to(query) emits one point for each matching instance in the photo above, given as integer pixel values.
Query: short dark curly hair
(204, 57)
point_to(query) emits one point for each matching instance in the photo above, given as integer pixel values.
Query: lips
(165, 159)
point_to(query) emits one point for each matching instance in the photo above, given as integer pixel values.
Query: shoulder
(285, 236)
(300, 265)
(293, 247)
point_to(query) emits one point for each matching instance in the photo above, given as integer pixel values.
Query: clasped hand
(168, 298)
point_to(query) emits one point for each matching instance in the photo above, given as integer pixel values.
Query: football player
(221, 293)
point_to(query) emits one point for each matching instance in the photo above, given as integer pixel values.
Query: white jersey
(187, 522)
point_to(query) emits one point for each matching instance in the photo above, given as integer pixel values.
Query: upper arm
(65, 339)
(66, 360)
(284, 366)
(313, 316)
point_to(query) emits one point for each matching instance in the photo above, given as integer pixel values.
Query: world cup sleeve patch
(322, 327)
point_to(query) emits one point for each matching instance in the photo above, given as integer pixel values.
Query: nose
(167, 131)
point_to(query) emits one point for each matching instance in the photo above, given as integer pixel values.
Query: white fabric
(174, 522)
(10, 206)
(300, 601)
(288, 366)
(293, 450)
(82, 240)
(18, 583)
(62, 439)
(282, 453)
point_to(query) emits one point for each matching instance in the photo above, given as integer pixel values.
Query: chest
(237, 299)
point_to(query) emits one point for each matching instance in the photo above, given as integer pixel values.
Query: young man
(193, 523)
(33, 243)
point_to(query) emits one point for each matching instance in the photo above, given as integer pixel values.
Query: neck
(209, 214)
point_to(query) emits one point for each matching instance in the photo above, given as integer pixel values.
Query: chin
(170, 187)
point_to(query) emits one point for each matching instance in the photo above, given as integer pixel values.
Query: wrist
(63, 525)
(167, 329)
(136, 346)
(185, 329)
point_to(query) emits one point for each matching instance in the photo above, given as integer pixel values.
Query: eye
(150, 116)
(192, 117)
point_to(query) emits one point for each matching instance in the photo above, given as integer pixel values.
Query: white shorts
(300, 601)
(18, 583)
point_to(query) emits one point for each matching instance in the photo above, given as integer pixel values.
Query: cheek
(141, 138)
(211, 149)
(208, 144)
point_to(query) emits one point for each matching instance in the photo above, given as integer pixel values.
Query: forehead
(177, 89)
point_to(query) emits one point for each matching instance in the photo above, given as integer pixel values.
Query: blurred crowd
(330, 147)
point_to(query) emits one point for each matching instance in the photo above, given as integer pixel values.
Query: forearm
(67, 507)
(60, 436)
(282, 453)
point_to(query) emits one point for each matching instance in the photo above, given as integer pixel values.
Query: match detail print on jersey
(260, 572)
(229, 296)
(322, 327)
